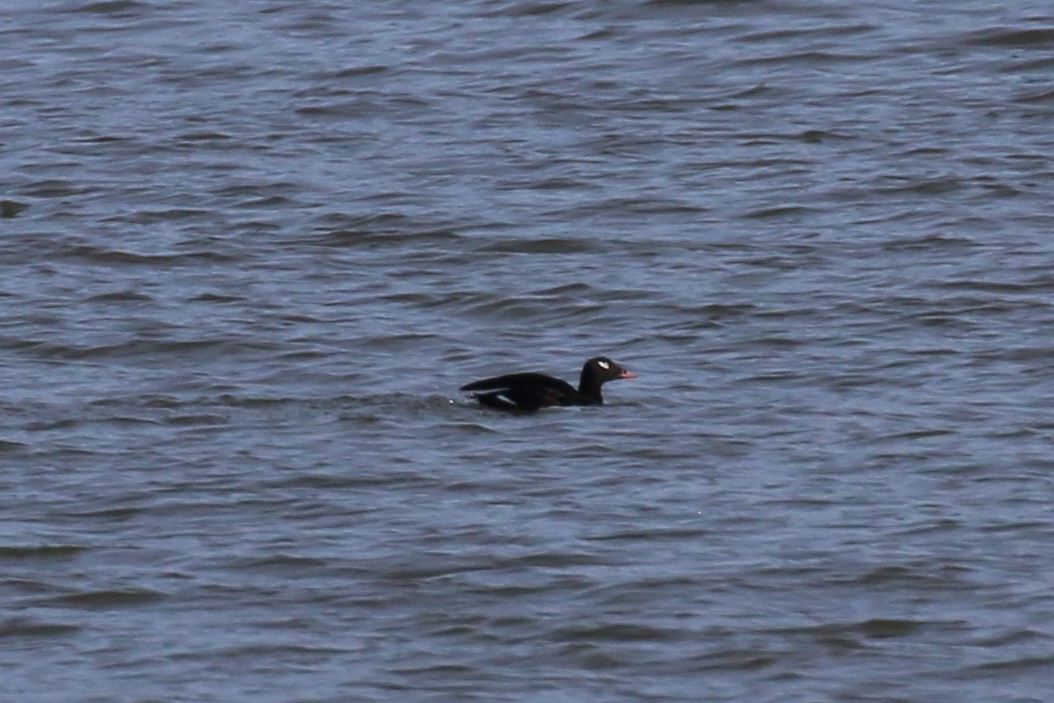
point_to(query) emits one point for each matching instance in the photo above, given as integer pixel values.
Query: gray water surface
(251, 250)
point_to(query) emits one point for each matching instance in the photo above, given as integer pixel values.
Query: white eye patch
(603, 364)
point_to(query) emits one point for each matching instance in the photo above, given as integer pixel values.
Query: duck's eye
(604, 365)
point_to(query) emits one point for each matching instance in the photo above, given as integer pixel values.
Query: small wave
(1035, 97)
(121, 296)
(542, 245)
(118, 8)
(11, 208)
(617, 632)
(131, 348)
(384, 230)
(1040, 664)
(10, 446)
(278, 562)
(779, 211)
(927, 242)
(106, 599)
(19, 628)
(58, 551)
(1011, 37)
(102, 255)
(198, 419)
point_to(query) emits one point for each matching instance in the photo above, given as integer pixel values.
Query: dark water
(250, 251)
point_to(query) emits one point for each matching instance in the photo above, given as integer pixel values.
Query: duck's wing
(521, 391)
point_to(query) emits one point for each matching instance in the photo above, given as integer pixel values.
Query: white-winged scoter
(531, 391)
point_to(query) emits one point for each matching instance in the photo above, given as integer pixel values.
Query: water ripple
(252, 252)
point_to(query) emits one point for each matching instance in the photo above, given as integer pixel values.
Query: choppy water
(250, 251)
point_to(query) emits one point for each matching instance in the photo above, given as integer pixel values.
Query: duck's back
(523, 391)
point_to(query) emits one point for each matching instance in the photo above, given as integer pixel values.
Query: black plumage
(531, 391)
